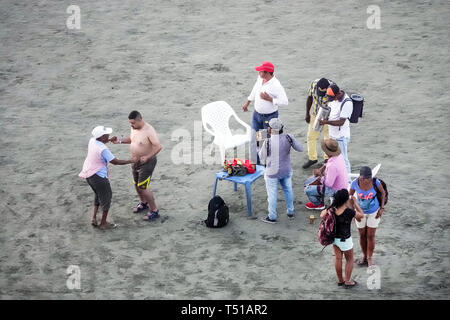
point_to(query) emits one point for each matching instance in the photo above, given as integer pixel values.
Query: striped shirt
(312, 92)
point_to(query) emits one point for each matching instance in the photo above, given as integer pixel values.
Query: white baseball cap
(276, 124)
(100, 130)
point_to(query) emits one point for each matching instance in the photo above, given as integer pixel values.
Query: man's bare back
(143, 142)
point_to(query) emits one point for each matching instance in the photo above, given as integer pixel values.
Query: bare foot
(94, 223)
(107, 226)
(370, 262)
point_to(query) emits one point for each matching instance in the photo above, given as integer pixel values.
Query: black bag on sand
(218, 213)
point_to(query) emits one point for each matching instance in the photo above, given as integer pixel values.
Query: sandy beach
(167, 59)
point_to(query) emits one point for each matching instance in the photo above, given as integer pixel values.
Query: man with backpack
(339, 124)
(276, 153)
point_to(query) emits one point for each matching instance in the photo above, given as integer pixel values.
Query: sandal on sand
(108, 226)
(340, 284)
(140, 207)
(151, 215)
(94, 223)
(361, 262)
(347, 286)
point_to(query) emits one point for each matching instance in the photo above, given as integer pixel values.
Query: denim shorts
(344, 245)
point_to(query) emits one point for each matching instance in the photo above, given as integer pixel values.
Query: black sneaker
(290, 216)
(268, 220)
(309, 164)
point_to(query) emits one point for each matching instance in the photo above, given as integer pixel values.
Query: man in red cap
(268, 94)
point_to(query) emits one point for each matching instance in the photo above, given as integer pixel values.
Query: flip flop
(340, 284)
(348, 286)
(94, 223)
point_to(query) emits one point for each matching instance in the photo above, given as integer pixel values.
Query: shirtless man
(144, 145)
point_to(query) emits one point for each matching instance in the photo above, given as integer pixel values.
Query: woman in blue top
(368, 202)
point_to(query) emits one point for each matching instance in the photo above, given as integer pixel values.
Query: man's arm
(121, 162)
(295, 144)
(251, 97)
(336, 123)
(309, 101)
(109, 157)
(116, 140)
(281, 98)
(320, 171)
(308, 109)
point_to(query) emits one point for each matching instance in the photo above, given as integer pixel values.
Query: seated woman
(368, 201)
(343, 243)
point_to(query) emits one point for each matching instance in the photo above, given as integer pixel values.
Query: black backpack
(218, 213)
(374, 182)
(358, 104)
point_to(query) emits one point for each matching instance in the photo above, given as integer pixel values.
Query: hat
(265, 66)
(331, 147)
(276, 124)
(333, 90)
(365, 172)
(100, 130)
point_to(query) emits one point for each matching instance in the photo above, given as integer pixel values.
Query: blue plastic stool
(246, 180)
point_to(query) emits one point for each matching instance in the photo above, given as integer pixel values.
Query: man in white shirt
(339, 125)
(268, 95)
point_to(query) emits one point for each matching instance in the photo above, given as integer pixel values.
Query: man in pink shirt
(331, 177)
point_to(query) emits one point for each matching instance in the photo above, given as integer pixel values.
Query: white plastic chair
(215, 118)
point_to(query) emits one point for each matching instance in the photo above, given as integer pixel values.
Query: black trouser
(102, 190)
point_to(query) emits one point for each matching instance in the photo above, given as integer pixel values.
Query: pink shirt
(93, 161)
(336, 176)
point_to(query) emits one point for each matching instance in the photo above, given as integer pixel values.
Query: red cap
(265, 66)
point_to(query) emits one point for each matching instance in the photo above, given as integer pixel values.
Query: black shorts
(102, 190)
(142, 173)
